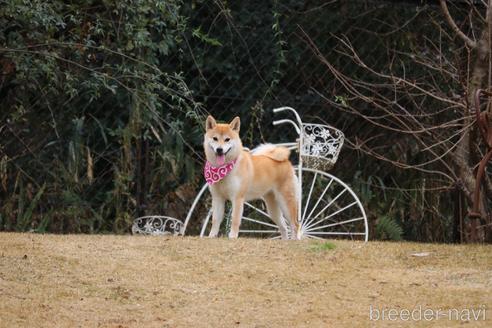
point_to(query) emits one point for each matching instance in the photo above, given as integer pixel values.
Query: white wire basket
(156, 225)
(321, 145)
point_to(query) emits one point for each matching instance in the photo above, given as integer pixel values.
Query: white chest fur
(227, 188)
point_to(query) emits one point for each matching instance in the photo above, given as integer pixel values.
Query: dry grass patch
(127, 281)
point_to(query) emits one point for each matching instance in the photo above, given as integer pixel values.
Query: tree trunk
(478, 80)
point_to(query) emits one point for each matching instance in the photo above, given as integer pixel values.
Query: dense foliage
(84, 93)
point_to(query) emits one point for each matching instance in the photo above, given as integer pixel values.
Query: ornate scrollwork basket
(321, 145)
(156, 225)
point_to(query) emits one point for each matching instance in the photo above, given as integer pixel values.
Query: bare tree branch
(469, 42)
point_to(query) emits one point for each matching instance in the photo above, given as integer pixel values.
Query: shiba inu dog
(238, 175)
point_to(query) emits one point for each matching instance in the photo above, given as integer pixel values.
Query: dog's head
(222, 143)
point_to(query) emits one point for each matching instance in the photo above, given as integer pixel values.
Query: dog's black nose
(219, 151)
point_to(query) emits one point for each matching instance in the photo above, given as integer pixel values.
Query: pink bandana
(215, 174)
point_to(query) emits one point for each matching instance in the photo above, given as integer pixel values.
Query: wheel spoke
(259, 231)
(313, 237)
(336, 233)
(329, 216)
(257, 209)
(259, 222)
(309, 229)
(324, 208)
(320, 198)
(306, 206)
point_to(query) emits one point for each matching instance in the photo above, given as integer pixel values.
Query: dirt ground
(135, 281)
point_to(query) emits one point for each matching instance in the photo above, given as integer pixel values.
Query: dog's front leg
(237, 213)
(218, 206)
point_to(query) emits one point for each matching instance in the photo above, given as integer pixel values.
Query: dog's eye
(227, 139)
(215, 139)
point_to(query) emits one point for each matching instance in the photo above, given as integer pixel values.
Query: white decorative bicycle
(328, 208)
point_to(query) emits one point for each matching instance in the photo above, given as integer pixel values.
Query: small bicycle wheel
(330, 210)
(255, 220)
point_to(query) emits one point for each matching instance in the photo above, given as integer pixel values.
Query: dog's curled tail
(276, 153)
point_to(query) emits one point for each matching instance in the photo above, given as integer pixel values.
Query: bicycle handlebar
(297, 126)
(287, 121)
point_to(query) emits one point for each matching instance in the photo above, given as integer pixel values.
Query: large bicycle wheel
(330, 209)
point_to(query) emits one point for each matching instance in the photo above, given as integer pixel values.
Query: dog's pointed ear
(210, 123)
(235, 124)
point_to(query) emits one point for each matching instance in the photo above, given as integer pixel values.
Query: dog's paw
(298, 235)
(233, 235)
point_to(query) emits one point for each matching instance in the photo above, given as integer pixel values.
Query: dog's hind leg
(218, 207)
(275, 213)
(287, 199)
